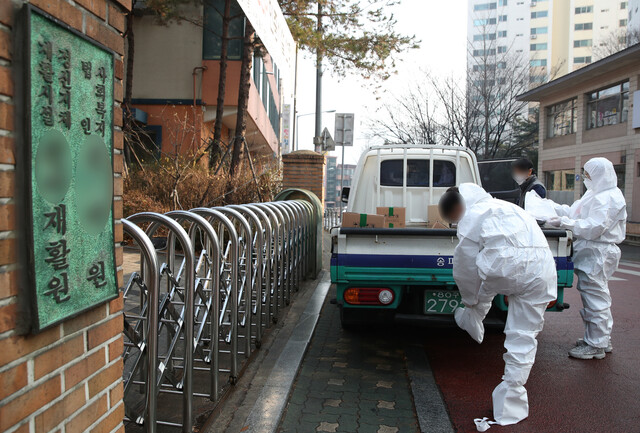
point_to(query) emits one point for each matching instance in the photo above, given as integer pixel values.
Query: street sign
(344, 129)
(328, 144)
(69, 176)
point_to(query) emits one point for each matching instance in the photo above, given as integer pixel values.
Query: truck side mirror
(344, 198)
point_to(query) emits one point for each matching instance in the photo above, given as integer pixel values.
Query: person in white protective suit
(501, 250)
(598, 223)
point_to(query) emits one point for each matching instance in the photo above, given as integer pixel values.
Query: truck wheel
(500, 317)
(347, 320)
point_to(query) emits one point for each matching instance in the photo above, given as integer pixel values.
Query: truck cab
(405, 274)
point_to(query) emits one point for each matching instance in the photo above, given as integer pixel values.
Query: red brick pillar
(69, 376)
(304, 169)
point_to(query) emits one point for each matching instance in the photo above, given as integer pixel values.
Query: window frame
(425, 161)
(553, 111)
(622, 111)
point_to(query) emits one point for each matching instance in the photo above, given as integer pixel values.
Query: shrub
(160, 187)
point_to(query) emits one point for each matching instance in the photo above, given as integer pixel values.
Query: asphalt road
(369, 380)
(565, 395)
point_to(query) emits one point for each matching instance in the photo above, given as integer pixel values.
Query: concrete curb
(430, 407)
(267, 411)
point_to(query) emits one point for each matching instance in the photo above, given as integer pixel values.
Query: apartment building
(633, 23)
(554, 36)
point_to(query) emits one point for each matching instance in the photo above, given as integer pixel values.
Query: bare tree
(615, 41)
(409, 119)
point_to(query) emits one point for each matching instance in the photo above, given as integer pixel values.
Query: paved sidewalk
(351, 382)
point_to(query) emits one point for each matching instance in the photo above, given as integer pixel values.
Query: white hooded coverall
(502, 250)
(597, 221)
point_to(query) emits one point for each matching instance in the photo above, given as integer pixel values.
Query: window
(489, 52)
(538, 47)
(608, 106)
(623, 5)
(583, 26)
(488, 67)
(539, 14)
(560, 180)
(484, 22)
(502, 50)
(391, 173)
(502, 34)
(212, 42)
(502, 19)
(584, 10)
(537, 79)
(484, 37)
(562, 118)
(623, 23)
(502, 2)
(579, 60)
(539, 31)
(484, 6)
(582, 43)
(538, 62)
(502, 65)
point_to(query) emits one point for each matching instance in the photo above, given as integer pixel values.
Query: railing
(196, 308)
(332, 218)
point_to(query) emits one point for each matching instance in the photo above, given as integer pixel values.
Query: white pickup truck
(405, 274)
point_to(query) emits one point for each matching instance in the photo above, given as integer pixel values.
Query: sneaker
(587, 352)
(607, 349)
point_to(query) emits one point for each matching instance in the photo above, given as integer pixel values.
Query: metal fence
(198, 305)
(332, 218)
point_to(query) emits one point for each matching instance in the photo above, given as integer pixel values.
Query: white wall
(164, 58)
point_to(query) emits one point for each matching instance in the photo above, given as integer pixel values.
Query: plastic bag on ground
(540, 208)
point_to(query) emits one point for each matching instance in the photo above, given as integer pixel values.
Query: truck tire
(347, 319)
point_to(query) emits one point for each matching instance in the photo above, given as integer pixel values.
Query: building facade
(592, 112)
(554, 37)
(176, 73)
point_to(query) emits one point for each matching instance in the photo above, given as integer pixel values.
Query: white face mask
(520, 178)
(587, 182)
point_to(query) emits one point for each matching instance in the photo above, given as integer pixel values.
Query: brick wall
(67, 378)
(304, 169)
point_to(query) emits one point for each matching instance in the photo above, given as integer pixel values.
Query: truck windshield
(391, 173)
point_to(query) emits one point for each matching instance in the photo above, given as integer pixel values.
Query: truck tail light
(368, 296)
(551, 304)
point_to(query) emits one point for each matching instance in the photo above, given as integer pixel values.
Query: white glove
(554, 221)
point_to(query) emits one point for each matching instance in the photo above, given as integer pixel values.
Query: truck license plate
(441, 301)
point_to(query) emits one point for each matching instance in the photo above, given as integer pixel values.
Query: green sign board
(69, 141)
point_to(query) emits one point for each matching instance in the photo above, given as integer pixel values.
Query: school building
(593, 111)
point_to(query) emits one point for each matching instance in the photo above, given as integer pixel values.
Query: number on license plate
(441, 301)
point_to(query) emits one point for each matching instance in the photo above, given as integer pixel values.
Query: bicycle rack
(203, 304)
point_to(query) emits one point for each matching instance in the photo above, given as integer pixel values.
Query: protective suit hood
(603, 176)
(472, 194)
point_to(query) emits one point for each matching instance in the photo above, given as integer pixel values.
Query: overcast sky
(441, 26)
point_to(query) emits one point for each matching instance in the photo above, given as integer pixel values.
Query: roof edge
(530, 95)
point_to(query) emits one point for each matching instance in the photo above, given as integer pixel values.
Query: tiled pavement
(351, 382)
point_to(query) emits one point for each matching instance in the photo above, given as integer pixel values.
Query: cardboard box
(438, 225)
(434, 217)
(353, 219)
(394, 217)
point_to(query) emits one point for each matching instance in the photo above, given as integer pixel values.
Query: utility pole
(294, 141)
(317, 140)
